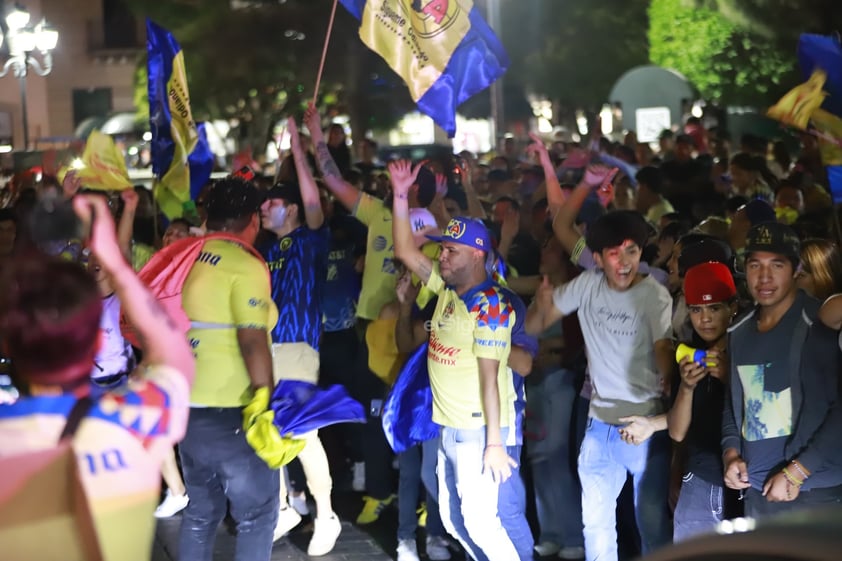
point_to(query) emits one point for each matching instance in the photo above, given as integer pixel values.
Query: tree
(726, 62)
(572, 52)
(779, 20)
(258, 63)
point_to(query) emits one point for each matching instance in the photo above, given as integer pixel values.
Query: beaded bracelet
(792, 479)
(798, 468)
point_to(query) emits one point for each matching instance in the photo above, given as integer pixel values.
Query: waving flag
(443, 50)
(102, 165)
(174, 133)
(796, 107)
(200, 162)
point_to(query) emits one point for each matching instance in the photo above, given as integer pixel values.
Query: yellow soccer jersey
(463, 329)
(119, 447)
(379, 275)
(228, 288)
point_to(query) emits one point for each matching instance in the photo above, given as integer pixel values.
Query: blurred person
(698, 400)
(715, 226)
(178, 229)
(8, 236)
(337, 143)
(751, 178)
(782, 417)
(820, 274)
(789, 202)
(781, 161)
(50, 311)
(650, 200)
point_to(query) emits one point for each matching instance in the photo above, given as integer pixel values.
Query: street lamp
(23, 42)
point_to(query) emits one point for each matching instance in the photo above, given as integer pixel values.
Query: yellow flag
(796, 107)
(829, 130)
(173, 191)
(103, 166)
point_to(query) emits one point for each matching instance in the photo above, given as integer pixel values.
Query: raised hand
(403, 175)
(93, 211)
(598, 175)
(313, 120)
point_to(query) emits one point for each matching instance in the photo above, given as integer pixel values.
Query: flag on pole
(102, 166)
(174, 133)
(443, 49)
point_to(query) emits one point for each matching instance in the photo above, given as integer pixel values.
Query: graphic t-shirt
(342, 288)
(119, 448)
(620, 330)
(227, 289)
(464, 329)
(379, 275)
(298, 268)
(763, 368)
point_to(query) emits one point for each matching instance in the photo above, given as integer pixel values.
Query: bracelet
(799, 469)
(792, 479)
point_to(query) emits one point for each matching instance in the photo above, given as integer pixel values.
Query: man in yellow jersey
(378, 289)
(228, 300)
(473, 392)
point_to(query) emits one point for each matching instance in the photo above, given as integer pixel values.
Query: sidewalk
(374, 542)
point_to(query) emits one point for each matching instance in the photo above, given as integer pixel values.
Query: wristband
(802, 471)
(792, 479)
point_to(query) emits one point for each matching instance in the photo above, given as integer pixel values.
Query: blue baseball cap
(466, 231)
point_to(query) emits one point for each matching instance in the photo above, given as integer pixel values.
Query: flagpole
(324, 51)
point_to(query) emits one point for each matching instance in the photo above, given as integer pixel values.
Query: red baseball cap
(708, 283)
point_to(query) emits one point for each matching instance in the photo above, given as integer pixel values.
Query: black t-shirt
(763, 367)
(704, 435)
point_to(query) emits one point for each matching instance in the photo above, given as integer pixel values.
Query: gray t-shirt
(620, 330)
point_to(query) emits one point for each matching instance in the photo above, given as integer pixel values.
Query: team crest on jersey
(431, 17)
(455, 229)
(286, 243)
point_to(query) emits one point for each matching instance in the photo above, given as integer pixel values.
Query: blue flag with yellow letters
(443, 49)
(174, 133)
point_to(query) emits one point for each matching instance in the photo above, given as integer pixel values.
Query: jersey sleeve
(251, 297)
(435, 283)
(494, 318)
(368, 209)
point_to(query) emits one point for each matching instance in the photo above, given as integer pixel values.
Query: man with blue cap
(473, 393)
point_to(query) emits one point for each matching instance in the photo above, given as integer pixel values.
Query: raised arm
(309, 191)
(542, 313)
(475, 208)
(125, 228)
(403, 177)
(555, 196)
(160, 339)
(345, 193)
(409, 334)
(564, 223)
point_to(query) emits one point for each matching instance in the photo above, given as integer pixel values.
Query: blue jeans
(511, 508)
(552, 455)
(700, 507)
(417, 466)
(469, 497)
(604, 462)
(222, 472)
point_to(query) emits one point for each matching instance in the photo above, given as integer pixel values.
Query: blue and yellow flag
(174, 132)
(443, 50)
(201, 161)
(797, 106)
(102, 166)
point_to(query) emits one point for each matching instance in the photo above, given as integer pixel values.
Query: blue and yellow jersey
(227, 289)
(464, 329)
(298, 268)
(379, 275)
(119, 447)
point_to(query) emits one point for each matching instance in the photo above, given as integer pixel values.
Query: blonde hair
(822, 259)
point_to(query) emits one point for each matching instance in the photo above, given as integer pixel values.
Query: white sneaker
(437, 549)
(407, 550)
(572, 553)
(299, 503)
(287, 520)
(325, 532)
(545, 549)
(171, 505)
(358, 481)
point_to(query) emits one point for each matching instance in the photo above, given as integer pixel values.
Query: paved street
(368, 543)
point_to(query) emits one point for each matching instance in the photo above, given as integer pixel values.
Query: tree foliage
(572, 52)
(258, 63)
(727, 62)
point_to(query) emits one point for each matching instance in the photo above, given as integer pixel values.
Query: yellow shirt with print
(228, 288)
(464, 329)
(379, 275)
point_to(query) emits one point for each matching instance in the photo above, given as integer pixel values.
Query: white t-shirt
(115, 354)
(620, 330)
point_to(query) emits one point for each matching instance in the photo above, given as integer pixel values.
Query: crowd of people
(643, 342)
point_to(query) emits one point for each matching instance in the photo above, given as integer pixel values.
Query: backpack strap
(77, 413)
